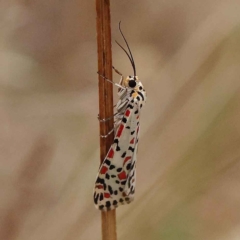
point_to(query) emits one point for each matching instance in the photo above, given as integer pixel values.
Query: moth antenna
(129, 56)
(125, 51)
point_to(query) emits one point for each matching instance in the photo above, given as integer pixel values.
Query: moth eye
(132, 83)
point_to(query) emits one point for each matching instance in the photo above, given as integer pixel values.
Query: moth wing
(114, 171)
(131, 180)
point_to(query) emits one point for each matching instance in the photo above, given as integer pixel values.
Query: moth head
(131, 81)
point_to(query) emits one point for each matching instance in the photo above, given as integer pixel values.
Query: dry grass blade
(105, 100)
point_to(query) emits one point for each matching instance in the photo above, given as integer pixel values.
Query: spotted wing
(115, 183)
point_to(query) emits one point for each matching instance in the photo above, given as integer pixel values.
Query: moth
(116, 178)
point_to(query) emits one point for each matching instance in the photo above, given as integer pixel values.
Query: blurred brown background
(187, 55)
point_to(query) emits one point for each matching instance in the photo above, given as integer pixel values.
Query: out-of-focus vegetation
(187, 55)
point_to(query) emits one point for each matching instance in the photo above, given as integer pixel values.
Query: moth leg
(117, 71)
(104, 136)
(116, 84)
(106, 119)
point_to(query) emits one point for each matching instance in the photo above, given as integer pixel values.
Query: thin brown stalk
(105, 100)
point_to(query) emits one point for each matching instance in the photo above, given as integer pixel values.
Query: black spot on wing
(115, 202)
(117, 142)
(119, 169)
(128, 127)
(132, 166)
(132, 132)
(107, 162)
(130, 106)
(124, 120)
(123, 182)
(96, 198)
(141, 95)
(124, 154)
(111, 167)
(129, 182)
(131, 149)
(136, 112)
(100, 180)
(110, 189)
(108, 204)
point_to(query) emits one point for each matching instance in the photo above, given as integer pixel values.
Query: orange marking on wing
(120, 129)
(99, 186)
(103, 170)
(122, 175)
(132, 141)
(107, 195)
(126, 159)
(111, 153)
(127, 113)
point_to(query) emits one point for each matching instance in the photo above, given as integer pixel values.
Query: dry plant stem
(105, 100)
